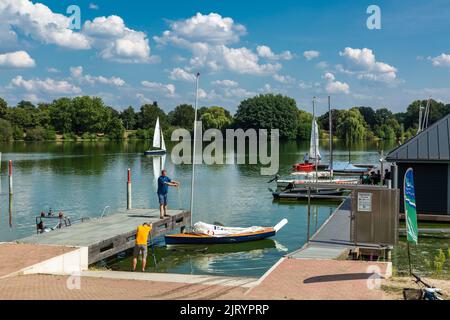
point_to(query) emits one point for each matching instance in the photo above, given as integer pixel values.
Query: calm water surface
(82, 178)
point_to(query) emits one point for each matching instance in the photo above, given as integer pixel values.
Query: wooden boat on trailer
(236, 235)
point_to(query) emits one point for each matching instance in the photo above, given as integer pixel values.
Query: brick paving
(47, 287)
(292, 279)
(303, 279)
(15, 256)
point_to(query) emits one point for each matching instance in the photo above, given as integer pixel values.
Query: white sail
(314, 152)
(157, 135)
(163, 145)
(156, 170)
(159, 164)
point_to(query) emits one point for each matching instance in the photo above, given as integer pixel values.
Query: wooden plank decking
(112, 234)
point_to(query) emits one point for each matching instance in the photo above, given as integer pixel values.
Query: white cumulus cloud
(181, 74)
(17, 59)
(168, 89)
(284, 79)
(266, 52)
(40, 23)
(311, 54)
(48, 85)
(211, 28)
(109, 35)
(119, 42)
(334, 86)
(208, 38)
(77, 73)
(225, 83)
(442, 60)
(363, 64)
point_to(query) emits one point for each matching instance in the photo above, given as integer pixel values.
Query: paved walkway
(15, 257)
(291, 279)
(48, 287)
(303, 279)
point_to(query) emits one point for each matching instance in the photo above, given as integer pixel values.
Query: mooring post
(129, 190)
(10, 178)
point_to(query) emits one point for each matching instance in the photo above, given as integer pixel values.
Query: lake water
(81, 178)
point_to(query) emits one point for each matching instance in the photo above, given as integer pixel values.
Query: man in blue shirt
(163, 189)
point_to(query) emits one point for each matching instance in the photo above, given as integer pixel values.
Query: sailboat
(203, 233)
(158, 142)
(314, 152)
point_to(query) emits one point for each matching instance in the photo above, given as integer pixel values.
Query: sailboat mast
(316, 147)
(193, 149)
(330, 126)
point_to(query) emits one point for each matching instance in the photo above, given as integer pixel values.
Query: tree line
(89, 118)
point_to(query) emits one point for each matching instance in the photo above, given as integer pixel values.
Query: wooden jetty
(107, 236)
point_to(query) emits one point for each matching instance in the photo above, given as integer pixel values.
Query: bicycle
(426, 291)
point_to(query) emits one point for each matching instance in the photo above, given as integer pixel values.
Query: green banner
(409, 195)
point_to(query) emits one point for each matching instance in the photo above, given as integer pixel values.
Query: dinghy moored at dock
(212, 234)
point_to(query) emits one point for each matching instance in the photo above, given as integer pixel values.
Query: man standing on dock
(141, 244)
(163, 189)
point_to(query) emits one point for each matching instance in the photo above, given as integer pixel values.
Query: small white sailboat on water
(203, 233)
(158, 142)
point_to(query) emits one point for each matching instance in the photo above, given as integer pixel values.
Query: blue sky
(134, 52)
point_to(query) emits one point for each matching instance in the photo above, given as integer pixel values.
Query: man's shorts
(140, 250)
(162, 198)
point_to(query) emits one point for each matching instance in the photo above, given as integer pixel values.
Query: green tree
(269, 112)
(410, 118)
(129, 118)
(24, 115)
(351, 125)
(6, 131)
(304, 125)
(35, 134)
(149, 113)
(182, 116)
(62, 114)
(216, 117)
(3, 108)
(115, 129)
(91, 115)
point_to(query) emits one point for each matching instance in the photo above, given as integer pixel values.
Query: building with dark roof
(428, 153)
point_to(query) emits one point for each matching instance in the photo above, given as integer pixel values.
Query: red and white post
(10, 173)
(129, 190)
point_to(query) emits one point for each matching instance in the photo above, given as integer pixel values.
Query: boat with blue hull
(155, 152)
(203, 233)
(191, 238)
(213, 234)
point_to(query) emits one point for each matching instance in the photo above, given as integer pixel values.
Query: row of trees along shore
(88, 118)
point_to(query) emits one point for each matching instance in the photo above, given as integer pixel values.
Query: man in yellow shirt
(141, 245)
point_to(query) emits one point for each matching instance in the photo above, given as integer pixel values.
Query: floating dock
(332, 239)
(107, 236)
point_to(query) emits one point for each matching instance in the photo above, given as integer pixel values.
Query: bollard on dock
(129, 190)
